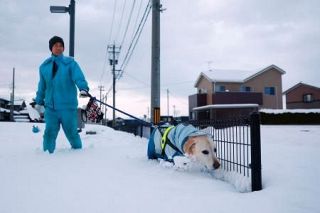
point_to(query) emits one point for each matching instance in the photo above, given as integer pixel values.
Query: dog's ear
(189, 147)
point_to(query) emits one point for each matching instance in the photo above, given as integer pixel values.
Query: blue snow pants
(68, 120)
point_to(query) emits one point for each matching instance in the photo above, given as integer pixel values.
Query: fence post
(256, 179)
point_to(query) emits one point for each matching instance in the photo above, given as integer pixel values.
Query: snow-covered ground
(112, 174)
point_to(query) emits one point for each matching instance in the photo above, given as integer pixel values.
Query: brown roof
(299, 85)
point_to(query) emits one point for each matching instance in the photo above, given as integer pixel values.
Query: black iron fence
(238, 145)
(238, 142)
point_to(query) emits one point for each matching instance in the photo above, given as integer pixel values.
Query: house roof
(17, 102)
(234, 76)
(4, 99)
(299, 85)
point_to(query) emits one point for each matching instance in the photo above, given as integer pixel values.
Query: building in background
(303, 96)
(218, 87)
(19, 110)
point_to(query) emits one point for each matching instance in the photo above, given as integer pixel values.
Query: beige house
(263, 87)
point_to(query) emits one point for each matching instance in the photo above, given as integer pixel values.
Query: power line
(136, 42)
(178, 83)
(128, 23)
(104, 67)
(120, 24)
(136, 37)
(113, 15)
(138, 80)
(110, 34)
(137, 18)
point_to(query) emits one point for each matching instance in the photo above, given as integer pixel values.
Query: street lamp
(71, 11)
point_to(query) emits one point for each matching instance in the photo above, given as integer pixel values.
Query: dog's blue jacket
(60, 92)
(178, 136)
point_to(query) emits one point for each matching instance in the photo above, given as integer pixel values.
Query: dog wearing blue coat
(183, 140)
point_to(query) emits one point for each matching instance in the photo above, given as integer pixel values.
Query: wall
(294, 98)
(206, 84)
(270, 78)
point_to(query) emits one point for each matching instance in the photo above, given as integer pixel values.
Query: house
(18, 105)
(216, 87)
(5, 109)
(302, 96)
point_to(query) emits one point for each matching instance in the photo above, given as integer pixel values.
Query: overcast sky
(195, 36)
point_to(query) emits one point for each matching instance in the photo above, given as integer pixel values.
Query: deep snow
(112, 174)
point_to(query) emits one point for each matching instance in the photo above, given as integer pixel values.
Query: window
(307, 98)
(202, 91)
(269, 91)
(220, 88)
(245, 89)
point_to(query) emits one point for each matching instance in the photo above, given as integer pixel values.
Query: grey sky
(232, 34)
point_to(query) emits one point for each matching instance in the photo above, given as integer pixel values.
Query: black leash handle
(138, 119)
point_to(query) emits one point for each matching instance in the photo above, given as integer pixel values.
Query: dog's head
(203, 149)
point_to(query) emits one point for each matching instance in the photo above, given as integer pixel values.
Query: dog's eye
(205, 152)
(215, 149)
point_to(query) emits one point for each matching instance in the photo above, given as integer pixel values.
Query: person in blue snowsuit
(57, 92)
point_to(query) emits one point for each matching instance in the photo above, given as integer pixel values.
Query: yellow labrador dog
(183, 140)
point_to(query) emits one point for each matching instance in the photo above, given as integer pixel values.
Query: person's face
(57, 48)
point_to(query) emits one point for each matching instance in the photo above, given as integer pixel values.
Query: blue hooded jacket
(60, 92)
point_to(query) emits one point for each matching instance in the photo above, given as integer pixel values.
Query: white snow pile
(112, 174)
(280, 111)
(239, 181)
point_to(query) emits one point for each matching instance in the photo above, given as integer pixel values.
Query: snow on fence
(238, 146)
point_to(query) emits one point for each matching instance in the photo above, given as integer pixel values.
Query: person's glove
(38, 108)
(33, 103)
(83, 94)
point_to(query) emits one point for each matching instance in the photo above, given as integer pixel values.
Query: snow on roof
(221, 75)
(235, 76)
(8, 110)
(278, 111)
(17, 102)
(225, 106)
(4, 110)
(2, 98)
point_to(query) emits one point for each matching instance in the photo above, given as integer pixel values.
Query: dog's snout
(216, 164)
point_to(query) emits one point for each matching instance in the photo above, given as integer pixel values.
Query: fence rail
(238, 145)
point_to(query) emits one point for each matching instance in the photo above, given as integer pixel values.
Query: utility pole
(174, 110)
(155, 62)
(12, 96)
(168, 102)
(101, 88)
(113, 60)
(72, 10)
(105, 108)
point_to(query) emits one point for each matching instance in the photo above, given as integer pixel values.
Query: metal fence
(238, 145)
(238, 142)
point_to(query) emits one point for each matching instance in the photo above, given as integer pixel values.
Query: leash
(92, 98)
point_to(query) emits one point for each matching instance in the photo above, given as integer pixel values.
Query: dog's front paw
(165, 164)
(181, 162)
